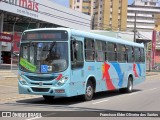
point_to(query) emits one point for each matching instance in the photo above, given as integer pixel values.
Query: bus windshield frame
(44, 51)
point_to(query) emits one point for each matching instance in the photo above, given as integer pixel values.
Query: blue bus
(65, 62)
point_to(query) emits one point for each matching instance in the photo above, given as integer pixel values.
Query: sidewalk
(152, 73)
(8, 67)
(8, 74)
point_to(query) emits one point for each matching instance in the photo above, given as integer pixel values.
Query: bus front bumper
(43, 90)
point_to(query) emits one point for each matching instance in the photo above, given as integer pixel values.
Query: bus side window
(130, 54)
(100, 51)
(142, 58)
(89, 49)
(137, 54)
(133, 56)
(111, 51)
(77, 54)
(121, 53)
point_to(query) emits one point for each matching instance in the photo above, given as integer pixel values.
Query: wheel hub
(89, 91)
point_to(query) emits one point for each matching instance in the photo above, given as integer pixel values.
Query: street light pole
(1, 30)
(12, 43)
(135, 20)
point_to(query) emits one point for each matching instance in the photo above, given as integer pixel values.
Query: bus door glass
(77, 60)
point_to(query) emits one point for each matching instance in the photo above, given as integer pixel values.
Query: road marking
(124, 95)
(152, 89)
(133, 93)
(100, 101)
(142, 91)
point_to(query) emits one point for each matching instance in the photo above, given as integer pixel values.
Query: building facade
(106, 14)
(19, 15)
(145, 11)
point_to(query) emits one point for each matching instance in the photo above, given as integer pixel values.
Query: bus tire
(89, 91)
(129, 87)
(48, 98)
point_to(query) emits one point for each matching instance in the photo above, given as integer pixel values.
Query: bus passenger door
(77, 63)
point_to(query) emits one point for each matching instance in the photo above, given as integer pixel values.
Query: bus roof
(106, 38)
(92, 35)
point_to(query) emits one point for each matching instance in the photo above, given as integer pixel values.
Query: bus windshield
(44, 57)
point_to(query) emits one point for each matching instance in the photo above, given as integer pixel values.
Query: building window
(86, 7)
(77, 6)
(86, 1)
(78, 1)
(87, 13)
(153, 3)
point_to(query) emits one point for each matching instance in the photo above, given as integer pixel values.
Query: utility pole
(1, 30)
(12, 43)
(135, 30)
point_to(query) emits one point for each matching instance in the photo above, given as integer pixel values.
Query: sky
(66, 2)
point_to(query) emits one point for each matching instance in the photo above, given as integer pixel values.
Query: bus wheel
(89, 91)
(48, 98)
(129, 88)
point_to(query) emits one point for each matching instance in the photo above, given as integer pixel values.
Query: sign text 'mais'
(29, 4)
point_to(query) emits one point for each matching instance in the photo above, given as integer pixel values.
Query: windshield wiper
(52, 45)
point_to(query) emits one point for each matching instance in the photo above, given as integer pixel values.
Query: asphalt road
(145, 97)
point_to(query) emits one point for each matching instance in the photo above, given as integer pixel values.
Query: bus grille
(37, 78)
(40, 89)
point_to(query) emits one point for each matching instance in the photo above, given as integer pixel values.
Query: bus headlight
(22, 80)
(62, 81)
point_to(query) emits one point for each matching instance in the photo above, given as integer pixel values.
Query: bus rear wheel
(48, 98)
(129, 87)
(89, 91)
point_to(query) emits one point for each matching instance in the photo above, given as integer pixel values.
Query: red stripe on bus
(106, 76)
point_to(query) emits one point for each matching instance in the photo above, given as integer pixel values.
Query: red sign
(29, 4)
(16, 42)
(6, 37)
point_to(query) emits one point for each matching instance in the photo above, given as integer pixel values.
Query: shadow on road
(108, 94)
(71, 100)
